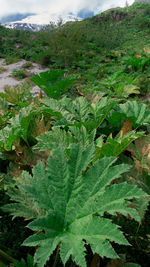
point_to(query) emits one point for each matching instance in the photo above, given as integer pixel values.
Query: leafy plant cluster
(74, 161)
(19, 74)
(67, 194)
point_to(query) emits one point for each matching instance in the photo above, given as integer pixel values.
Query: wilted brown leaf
(147, 50)
(140, 151)
(25, 157)
(39, 126)
(107, 60)
(14, 170)
(127, 127)
(137, 55)
(79, 93)
(40, 95)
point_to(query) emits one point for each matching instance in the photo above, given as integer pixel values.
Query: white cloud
(53, 6)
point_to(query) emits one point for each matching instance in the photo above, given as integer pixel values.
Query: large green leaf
(73, 198)
(52, 82)
(80, 112)
(57, 136)
(138, 114)
(115, 146)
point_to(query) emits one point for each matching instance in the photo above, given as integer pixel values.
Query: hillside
(89, 35)
(75, 142)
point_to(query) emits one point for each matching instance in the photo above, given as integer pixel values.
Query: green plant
(10, 59)
(20, 127)
(137, 63)
(57, 136)
(5, 258)
(19, 74)
(18, 95)
(4, 111)
(23, 263)
(54, 82)
(65, 44)
(69, 201)
(16, 129)
(27, 65)
(66, 137)
(115, 146)
(121, 84)
(138, 113)
(29, 124)
(79, 112)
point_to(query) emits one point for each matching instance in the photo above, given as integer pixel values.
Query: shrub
(19, 74)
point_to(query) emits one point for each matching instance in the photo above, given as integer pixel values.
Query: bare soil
(7, 80)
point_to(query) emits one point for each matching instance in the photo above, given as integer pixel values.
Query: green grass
(19, 74)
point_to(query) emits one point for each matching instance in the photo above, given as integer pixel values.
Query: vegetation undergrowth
(74, 161)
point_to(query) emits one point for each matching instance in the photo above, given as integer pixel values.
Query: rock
(114, 13)
(7, 80)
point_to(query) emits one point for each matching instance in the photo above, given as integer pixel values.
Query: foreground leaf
(74, 198)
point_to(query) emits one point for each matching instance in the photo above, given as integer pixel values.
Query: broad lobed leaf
(57, 136)
(136, 112)
(72, 196)
(80, 112)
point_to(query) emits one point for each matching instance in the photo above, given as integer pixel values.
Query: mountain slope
(34, 22)
(113, 29)
(23, 26)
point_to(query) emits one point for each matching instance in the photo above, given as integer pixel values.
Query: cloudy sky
(56, 6)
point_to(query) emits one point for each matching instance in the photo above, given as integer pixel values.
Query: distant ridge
(23, 26)
(35, 22)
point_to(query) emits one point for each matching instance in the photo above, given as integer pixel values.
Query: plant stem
(56, 257)
(6, 257)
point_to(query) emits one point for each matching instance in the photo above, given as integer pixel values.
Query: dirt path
(7, 79)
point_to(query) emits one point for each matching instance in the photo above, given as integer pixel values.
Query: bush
(65, 44)
(19, 74)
